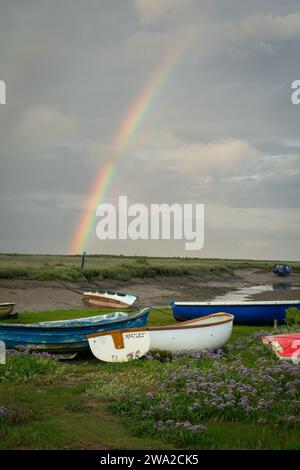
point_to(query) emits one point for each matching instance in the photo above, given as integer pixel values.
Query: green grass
(67, 314)
(51, 407)
(61, 417)
(244, 390)
(163, 316)
(86, 404)
(67, 268)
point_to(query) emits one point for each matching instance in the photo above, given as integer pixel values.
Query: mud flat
(49, 295)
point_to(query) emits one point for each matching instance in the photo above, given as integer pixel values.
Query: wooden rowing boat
(286, 347)
(6, 309)
(205, 333)
(109, 299)
(245, 313)
(67, 336)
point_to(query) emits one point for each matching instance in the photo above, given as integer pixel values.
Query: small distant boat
(108, 298)
(245, 313)
(206, 333)
(67, 336)
(286, 347)
(282, 269)
(6, 309)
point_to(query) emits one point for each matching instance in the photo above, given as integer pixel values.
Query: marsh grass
(245, 383)
(22, 367)
(292, 317)
(121, 272)
(163, 316)
(97, 267)
(162, 401)
(65, 314)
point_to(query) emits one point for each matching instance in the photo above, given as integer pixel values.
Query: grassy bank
(67, 268)
(241, 397)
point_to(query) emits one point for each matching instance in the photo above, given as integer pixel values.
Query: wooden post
(83, 259)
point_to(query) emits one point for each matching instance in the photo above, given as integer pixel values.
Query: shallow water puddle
(245, 293)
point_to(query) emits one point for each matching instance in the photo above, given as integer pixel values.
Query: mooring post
(83, 259)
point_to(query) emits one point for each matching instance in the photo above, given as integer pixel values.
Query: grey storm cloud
(222, 131)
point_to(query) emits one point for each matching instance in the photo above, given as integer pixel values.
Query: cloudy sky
(222, 131)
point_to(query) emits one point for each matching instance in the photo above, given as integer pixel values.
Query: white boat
(6, 309)
(109, 298)
(204, 333)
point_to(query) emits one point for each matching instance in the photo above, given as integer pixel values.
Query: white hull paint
(205, 333)
(209, 337)
(104, 299)
(6, 309)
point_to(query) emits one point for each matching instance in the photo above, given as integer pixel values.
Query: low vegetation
(240, 384)
(239, 397)
(293, 317)
(68, 268)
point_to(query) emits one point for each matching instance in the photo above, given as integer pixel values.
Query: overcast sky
(223, 130)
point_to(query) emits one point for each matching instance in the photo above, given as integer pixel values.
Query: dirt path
(43, 295)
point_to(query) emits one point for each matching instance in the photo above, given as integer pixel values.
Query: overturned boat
(245, 313)
(67, 336)
(108, 298)
(206, 333)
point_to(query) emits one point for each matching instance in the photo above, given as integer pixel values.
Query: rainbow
(130, 124)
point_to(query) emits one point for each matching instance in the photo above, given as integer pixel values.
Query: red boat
(286, 347)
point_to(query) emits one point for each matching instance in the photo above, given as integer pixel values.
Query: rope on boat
(70, 288)
(160, 310)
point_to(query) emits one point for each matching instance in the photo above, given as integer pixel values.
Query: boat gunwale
(41, 326)
(109, 293)
(235, 303)
(180, 326)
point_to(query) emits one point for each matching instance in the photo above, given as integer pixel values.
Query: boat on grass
(6, 309)
(108, 298)
(286, 347)
(245, 313)
(205, 333)
(67, 336)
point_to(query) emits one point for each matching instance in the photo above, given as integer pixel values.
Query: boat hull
(6, 309)
(105, 303)
(251, 313)
(205, 333)
(65, 337)
(211, 337)
(286, 347)
(109, 300)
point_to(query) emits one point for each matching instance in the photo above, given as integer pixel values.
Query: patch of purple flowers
(24, 351)
(230, 387)
(171, 424)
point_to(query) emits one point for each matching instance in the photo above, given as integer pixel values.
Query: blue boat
(245, 313)
(67, 336)
(282, 269)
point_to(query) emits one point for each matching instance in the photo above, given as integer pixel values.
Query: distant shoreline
(120, 268)
(40, 295)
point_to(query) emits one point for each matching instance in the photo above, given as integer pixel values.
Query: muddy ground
(44, 295)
